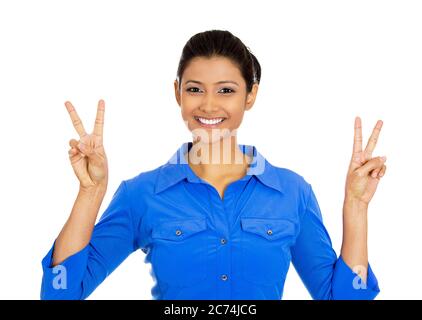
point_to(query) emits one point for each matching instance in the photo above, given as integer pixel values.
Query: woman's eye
(195, 90)
(190, 89)
(231, 90)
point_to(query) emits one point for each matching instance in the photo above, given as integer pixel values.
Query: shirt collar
(177, 169)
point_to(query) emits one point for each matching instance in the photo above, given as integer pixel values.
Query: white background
(323, 63)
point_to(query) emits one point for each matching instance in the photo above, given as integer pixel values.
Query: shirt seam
(307, 200)
(130, 214)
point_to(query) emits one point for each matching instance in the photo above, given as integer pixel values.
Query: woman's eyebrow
(218, 82)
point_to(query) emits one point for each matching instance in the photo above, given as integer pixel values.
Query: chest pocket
(179, 251)
(265, 256)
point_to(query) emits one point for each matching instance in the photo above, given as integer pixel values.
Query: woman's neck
(221, 159)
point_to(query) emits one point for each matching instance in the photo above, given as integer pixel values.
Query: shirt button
(224, 277)
(269, 232)
(178, 232)
(223, 241)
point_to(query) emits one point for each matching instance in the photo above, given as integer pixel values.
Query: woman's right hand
(87, 155)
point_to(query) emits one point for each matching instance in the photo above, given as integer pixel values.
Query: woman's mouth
(209, 122)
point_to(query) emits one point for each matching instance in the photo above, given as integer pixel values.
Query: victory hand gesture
(87, 155)
(364, 171)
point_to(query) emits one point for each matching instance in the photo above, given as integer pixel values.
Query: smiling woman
(217, 221)
(216, 84)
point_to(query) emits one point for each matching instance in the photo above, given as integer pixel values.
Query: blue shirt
(203, 247)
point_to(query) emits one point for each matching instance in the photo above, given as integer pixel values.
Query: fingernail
(384, 158)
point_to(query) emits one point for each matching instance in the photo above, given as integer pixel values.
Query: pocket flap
(178, 229)
(270, 229)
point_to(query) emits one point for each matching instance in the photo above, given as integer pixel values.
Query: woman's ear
(176, 91)
(251, 96)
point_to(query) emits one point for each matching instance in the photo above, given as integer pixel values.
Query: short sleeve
(113, 240)
(325, 276)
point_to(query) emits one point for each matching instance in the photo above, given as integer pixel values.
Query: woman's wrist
(94, 190)
(354, 206)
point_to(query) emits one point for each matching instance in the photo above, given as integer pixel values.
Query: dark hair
(221, 43)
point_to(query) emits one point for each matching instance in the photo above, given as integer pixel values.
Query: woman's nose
(208, 105)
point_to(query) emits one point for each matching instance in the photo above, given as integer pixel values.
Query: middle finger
(373, 140)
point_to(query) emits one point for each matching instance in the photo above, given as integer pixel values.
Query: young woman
(217, 221)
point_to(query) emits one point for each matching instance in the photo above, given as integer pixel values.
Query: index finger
(373, 140)
(357, 142)
(77, 123)
(99, 120)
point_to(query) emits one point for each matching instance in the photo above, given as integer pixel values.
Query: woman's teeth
(209, 121)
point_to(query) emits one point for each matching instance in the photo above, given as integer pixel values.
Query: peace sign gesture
(364, 171)
(87, 155)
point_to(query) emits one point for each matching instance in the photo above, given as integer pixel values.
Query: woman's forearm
(77, 231)
(354, 249)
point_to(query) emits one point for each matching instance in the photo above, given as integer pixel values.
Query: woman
(217, 221)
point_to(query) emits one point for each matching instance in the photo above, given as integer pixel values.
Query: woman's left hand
(364, 171)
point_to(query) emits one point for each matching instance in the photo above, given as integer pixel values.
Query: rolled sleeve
(347, 285)
(112, 240)
(325, 276)
(63, 281)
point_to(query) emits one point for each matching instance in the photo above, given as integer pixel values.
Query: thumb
(73, 143)
(89, 151)
(372, 164)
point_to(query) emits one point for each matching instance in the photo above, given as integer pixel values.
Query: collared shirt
(201, 246)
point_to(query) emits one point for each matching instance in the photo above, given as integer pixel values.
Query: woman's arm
(326, 276)
(77, 231)
(362, 180)
(77, 262)
(354, 249)
(89, 163)
(112, 240)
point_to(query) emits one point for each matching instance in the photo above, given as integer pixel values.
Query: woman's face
(213, 98)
